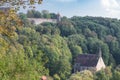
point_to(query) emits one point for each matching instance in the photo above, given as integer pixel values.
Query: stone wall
(41, 20)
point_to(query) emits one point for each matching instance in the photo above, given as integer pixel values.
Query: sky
(69, 8)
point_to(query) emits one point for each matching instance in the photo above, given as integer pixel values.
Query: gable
(100, 64)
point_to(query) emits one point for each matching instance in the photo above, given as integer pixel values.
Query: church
(92, 62)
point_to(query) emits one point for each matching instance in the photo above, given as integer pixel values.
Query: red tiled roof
(89, 60)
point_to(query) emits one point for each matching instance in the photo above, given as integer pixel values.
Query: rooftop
(89, 60)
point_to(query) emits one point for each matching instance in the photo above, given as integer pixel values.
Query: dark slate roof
(89, 60)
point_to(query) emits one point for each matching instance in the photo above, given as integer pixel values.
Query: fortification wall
(41, 20)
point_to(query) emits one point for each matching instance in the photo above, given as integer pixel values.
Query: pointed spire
(100, 53)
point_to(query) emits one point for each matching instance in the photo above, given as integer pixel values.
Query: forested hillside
(50, 49)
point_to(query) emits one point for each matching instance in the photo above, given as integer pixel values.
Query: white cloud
(112, 7)
(110, 3)
(66, 0)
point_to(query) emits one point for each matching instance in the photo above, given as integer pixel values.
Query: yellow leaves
(32, 1)
(9, 22)
(1, 30)
(40, 1)
(35, 1)
(3, 46)
(18, 3)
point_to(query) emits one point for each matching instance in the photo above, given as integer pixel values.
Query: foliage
(17, 3)
(30, 51)
(104, 74)
(42, 14)
(84, 75)
(62, 42)
(8, 23)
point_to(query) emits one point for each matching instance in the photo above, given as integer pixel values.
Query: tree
(79, 40)
(53, 16)
(34, 14)
(105, 74)
(45, 14)
(9, 20)
(66, 27)
(59, 55)
(94, 44)
(30, 14)
(116, 73)
(84, 75)
(22, 16)
(56, 77)
(101, 76)
(17, 3)
(15, 64)
(9, 23)
(64, 68)
(37, 14)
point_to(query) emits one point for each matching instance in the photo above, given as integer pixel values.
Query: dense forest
(30, 51)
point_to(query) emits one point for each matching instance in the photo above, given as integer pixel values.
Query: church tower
(58, 18)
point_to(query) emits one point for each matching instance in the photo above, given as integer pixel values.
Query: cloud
(66, 0)
(112, 7)
(110, 3)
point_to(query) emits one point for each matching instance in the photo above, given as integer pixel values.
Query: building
(42, 20)
(92, 62)
(43, 78)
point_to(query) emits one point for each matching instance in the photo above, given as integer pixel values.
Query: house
(43, 78)
(92, 62)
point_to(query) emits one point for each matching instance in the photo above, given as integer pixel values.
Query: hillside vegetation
(50, 49)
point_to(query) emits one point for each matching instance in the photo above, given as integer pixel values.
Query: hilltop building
(42, 20)
(92, 62)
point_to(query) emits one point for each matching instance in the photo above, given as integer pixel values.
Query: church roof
(89, 60)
